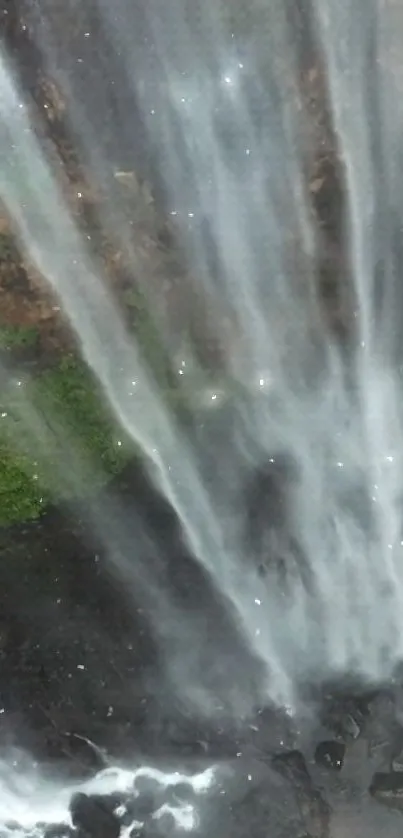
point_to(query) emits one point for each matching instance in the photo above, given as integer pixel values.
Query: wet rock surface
(330, 754)
(315, 812)
(94, 816)
(388, 789)
(81, 673)
(83, 686)
(345, 711)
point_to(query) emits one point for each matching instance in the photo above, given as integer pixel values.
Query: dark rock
(345, 712)
(272, 731)
(94, 816)
(251, 815)
(292, 765)
(179, 793)
(351, 725)
(383, 731)
(58, 830)
(147, 784)
(330, 754)
(397, 762)
(314, 809)
(144, 805)
(388, 789)
(346, 725)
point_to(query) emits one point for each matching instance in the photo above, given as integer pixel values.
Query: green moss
(8, 250)
(58, 441)
(149, 342)
(18, 337)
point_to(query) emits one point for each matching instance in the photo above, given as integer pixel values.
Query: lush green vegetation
(18, 337)
(7, 247)
(57, 440)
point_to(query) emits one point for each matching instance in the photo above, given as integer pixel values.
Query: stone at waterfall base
(387, 788)
(93, 817)
(330, 755)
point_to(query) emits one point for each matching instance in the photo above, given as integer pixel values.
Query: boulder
(94, 816)
(387, 788)
(330, 754)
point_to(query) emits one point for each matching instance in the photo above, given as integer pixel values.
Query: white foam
(29, 799)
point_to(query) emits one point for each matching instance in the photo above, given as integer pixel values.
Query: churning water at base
(215, 108)
(31, 802)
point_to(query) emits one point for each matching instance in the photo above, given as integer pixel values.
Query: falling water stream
(211, 102)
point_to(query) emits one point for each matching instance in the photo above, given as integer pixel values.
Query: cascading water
(212, 105)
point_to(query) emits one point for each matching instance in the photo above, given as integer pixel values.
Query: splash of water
(31, 801)
(221, 106)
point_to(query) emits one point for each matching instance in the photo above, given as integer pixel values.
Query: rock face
(345, 713)
(397, 762)
(388, 789)
(314, 809)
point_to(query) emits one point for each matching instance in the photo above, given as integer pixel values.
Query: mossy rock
(18, 337)
(58, 441)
